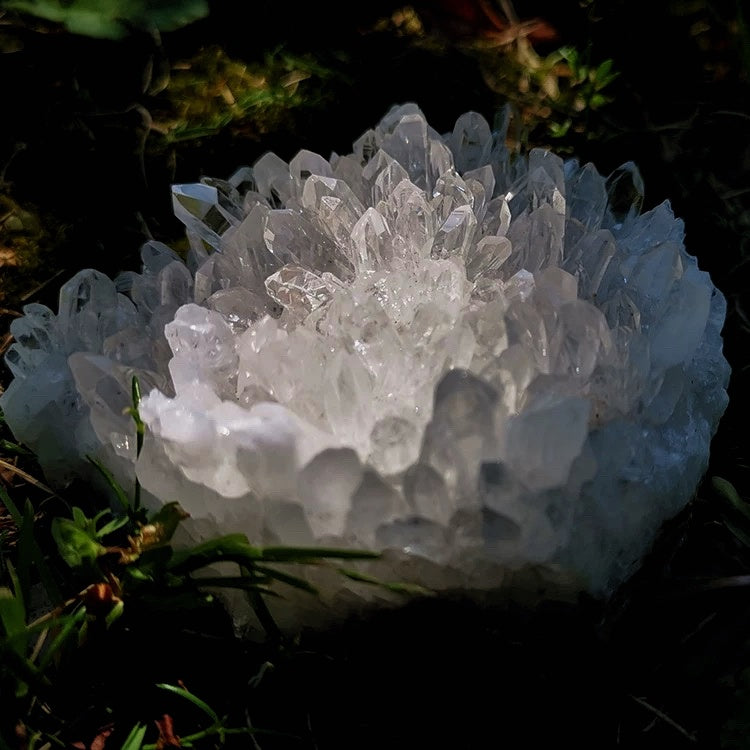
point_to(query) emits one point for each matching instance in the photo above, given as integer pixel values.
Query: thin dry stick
(509, 10)
(5, 342)
(21, 473)
(661, 715)
(38, 647)
(57, 611)
(250, 726)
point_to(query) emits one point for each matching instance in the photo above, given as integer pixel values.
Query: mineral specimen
(430, 347)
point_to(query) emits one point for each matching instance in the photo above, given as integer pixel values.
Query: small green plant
(558, 91)
(552, 94)
(735, 511)
(217, 730)
(131, 554)
(25, 648)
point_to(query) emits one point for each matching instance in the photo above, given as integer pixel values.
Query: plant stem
(139, 432)
(212, 730)
(263, 614)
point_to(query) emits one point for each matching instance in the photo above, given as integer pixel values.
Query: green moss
(211, 92)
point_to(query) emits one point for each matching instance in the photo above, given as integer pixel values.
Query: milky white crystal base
(427, 347)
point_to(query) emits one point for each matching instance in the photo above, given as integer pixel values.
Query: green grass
(93, 570)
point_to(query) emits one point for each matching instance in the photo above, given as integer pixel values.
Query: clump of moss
(211, 92)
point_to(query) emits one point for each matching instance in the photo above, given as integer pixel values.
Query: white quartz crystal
(472, 360)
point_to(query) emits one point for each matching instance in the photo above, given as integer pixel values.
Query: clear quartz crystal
(430, 347)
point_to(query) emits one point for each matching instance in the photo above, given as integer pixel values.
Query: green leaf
(559, 129)
(604, 75)
(12, 614)
(114, 614)
(23, 670)
(16, 584)
(15, 514)
(112, 526)
(134, 740)
(151, 565)
(739, 533)
(75, 545)
(729, 493)
(407, 589)
(597, 101)
(140, 431)
(113, 19)
(45, 574)
(15, 640)
(603, 70)
(6, 446)
(134, 410)
(569, 54)
(168, 15)
(289, 580)
(67, 626)
(98, 517)
(229, 548)
(112, 482)
(136, 574)
(80, 519)
(193, 699)
(135, 397)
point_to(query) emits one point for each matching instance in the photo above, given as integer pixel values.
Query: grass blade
(15, 514)
(45, 574)
(187, 695)
(140, 431)
(242, 583)
(406, 589)
(26, 476)
(741, 536)
(312, 554)
(729, 493)
(112, 526)
(247, 583)
(65, 632)
(27, 546)
(289, 580)
(263, 613)
(134, 740)
(112, 482)
(230, 548)
(8, 446)
(12, 614)
(26, 673)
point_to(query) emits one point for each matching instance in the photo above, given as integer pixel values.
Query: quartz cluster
(471, 359)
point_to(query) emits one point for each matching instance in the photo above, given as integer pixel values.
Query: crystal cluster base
(470, 360)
